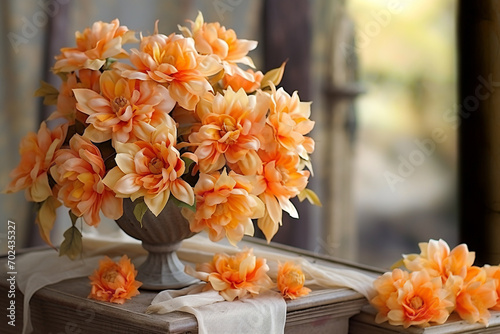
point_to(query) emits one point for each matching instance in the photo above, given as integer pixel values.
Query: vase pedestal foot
(162, 269)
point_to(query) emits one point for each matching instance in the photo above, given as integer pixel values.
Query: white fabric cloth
(264, 313)
(36, 270)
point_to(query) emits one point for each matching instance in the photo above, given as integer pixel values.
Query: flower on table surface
(94, 46)
(411, 299)
(493, 272)
(184, 117)
(290, 281)
(438, 260)
(236, 276)
(468, 290)
(476, 296)
(114, 281)
(79, 172)
(225, 206)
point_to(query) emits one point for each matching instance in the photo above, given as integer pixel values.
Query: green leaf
(49, 93)
(73, 218)
(182, 204)
(274, 77)
(139, 211)
(72, 244)
(310, 195)
(187, 162)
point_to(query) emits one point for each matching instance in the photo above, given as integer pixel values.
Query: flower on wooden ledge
(291, 281)
(236, 276)
(406, 298)
(411, 299)
(114, 281)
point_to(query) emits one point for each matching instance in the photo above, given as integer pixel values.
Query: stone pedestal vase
(161, 236)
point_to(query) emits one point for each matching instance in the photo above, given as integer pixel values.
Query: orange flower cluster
(178, 118)
(440, 282)
(114, 281)
(245, 274)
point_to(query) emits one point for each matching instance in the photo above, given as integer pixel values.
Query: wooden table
(65, 308)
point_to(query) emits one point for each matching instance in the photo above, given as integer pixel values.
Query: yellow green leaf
(274, 76)
(48, 92)
(139, 210)
(72, 244)
(46, 218)
(311, 197)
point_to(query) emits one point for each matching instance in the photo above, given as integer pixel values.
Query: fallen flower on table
(114, 281)
(291, 281)
(411, 299)
(235, 276)
(438, 283)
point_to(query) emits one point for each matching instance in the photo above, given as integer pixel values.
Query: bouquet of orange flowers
(186, 118)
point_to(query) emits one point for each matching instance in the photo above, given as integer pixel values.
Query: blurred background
(382, 75)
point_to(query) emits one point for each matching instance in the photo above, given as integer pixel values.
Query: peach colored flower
(225, 206)
(37, 155)
(414, 299)
(291, 281)
(230, 126)
(493, 272)
(437, 260)
(151, 170)
(94, 46)
(281, 179)
(214, 39)
(173, 61)
(237, 81)
(114, 282)
(385, 286)
(66, 101)
(126, 110)
(477, 295)
(289, 119)
(236, 276)
(79, 171)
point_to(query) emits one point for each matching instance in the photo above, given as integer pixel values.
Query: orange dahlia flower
(173, 61)
(94, 45)
(126, 110)
(290, 121)
(225, 206)
(151, 170)
(477, 295)
(238, 275)
(237, 81)
(230, 126)
(114, 282)
(437, 259)
(414, 299)
(79, 172)
(214, 39)
(281, 179)
(291, 281)
(66, 101)
(493, 272)
(37, 155)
